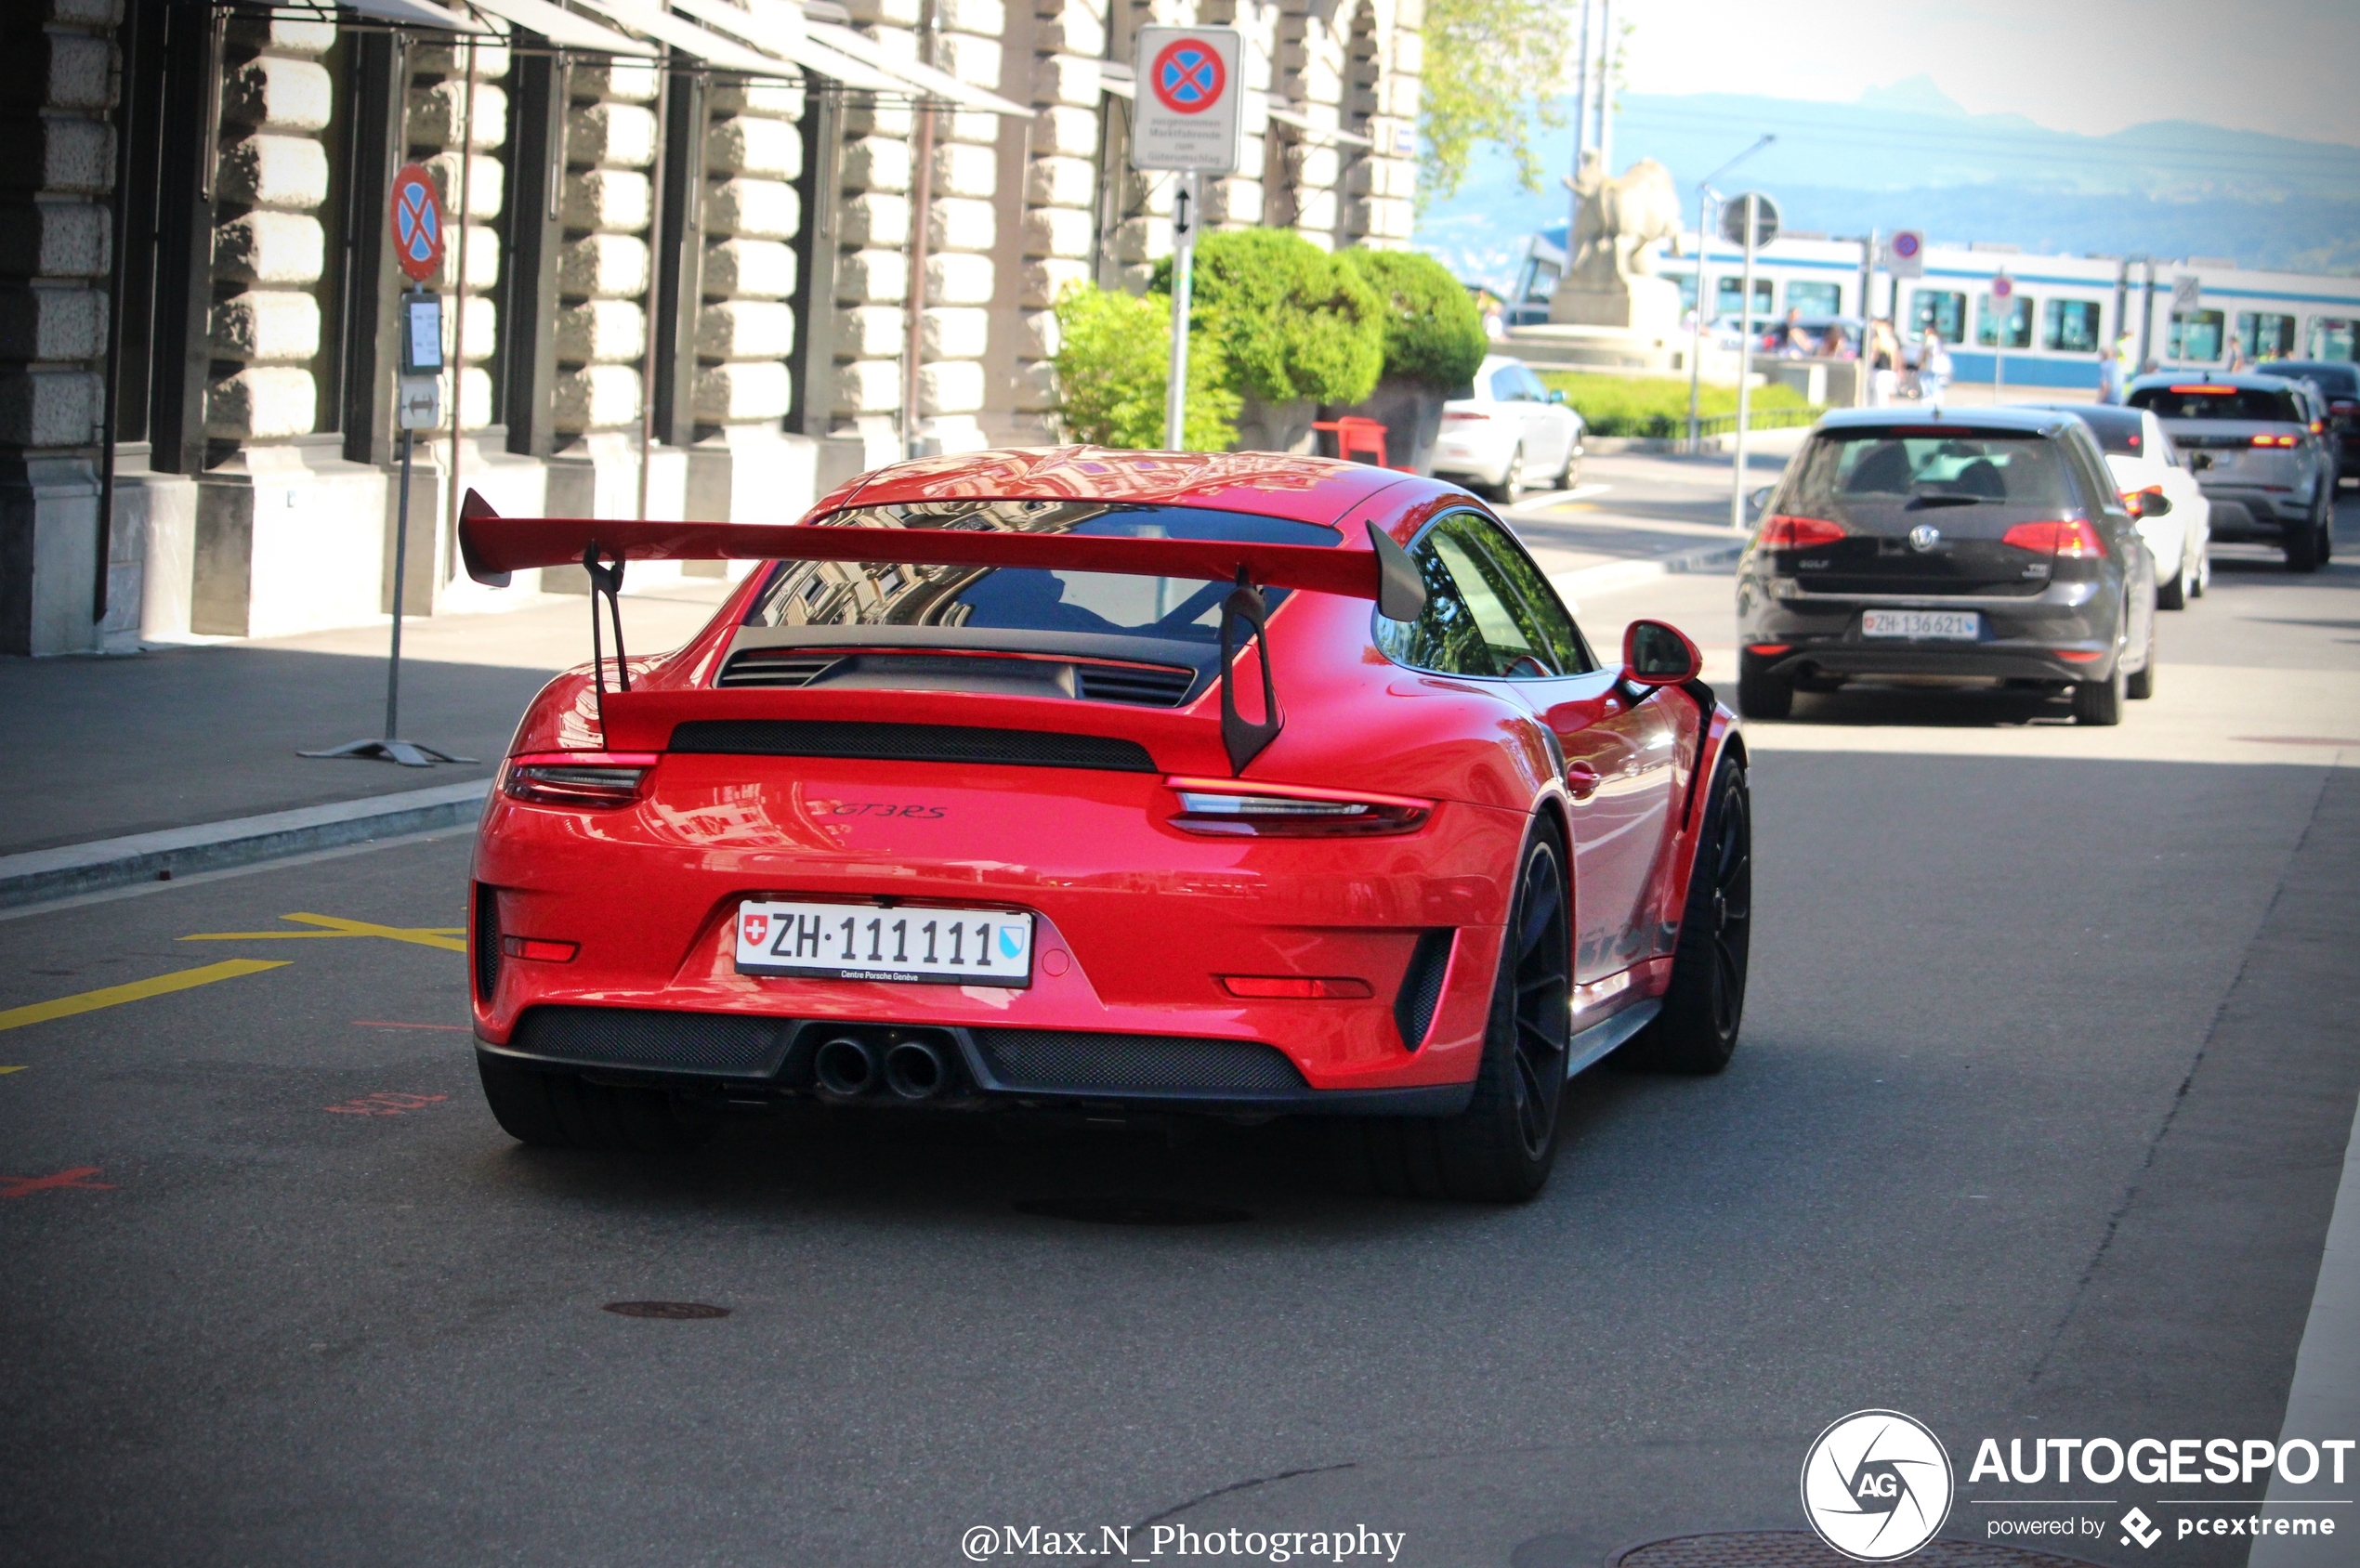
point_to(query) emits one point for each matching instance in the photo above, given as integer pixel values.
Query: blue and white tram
(2061, 314)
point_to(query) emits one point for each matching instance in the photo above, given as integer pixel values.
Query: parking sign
(1906, 253)
(1186, 114)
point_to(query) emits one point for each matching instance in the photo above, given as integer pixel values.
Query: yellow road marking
(6, 1070)
(138, 990)
(450, 938)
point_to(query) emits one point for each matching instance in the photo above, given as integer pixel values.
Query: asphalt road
(2046, 1074)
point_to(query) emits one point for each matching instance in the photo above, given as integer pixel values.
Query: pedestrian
(1795, 341)
(1883, 352)
(2114, 368)
(2237, 356)
(1933, 367)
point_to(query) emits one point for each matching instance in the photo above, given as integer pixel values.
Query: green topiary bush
(1293, 322)
(1432, 332)
(1114, 362)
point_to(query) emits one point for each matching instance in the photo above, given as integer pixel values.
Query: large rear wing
(493, 547)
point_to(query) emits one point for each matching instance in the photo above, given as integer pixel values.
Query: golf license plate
(870, 942)
(1935, 625)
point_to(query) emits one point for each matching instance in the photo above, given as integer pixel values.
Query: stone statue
(1609, 278)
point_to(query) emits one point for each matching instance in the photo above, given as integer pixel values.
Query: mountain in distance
(1907, 156)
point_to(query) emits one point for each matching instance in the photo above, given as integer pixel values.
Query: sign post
(1750, 220)
(2003, 299)
(417, 247)
(1188, 121)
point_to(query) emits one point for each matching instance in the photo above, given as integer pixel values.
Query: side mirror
(1555, 395)
(1759, 501)
(1655, 654)
(2153, 503)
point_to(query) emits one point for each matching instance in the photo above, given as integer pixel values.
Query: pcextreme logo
(1876, 1485)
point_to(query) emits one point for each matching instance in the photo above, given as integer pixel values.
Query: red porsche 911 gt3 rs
(1241, 785)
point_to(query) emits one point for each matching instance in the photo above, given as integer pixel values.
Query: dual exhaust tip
(849, 1067)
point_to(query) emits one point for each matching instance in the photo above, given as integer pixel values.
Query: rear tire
(2174, 594)
(1510, 489)
(1761, 694)
(2100, 702)
(1697, 1031)
(566, 1111)
(1501, 1148)
(2302, 551)
(1572, 477)
(2141, 686)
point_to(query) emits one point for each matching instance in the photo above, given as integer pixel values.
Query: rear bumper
(2023, 638)
(2250, 512)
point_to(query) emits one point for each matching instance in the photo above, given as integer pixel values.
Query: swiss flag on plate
(757, 927)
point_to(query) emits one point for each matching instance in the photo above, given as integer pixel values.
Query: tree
(1293, 322)
(1432, 332)
(1494, 69)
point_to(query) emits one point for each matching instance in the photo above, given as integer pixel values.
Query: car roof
(2256, 381)
(1308, 489)
(2024, 418)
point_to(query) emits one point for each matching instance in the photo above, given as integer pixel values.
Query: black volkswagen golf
(1979, 545)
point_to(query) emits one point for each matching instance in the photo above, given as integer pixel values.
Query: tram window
(1816, 299)
(1944, 311)
(2333, 339)
(2003, 324)
(2069, 325)
(2265, 335)
(1729, 290)
(2195, 334)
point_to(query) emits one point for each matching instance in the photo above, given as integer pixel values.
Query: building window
(1729, 290)
(2195, 334)
(2265, 335)
(2070, 326)
(1943, 310)
(2003, 324)
(1816, 299)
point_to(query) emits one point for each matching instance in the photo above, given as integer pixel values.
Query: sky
(2092, 66)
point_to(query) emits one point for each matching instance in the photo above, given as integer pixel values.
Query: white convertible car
(1512, 436)
(2149, 470)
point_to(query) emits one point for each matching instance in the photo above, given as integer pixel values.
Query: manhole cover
(675, 1310)
(1132, 1210)
(1799, 1548)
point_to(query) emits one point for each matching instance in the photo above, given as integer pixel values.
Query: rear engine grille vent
(775, 667)
(730, 1044)
(487, 935)
(1073, 1062)
(908, 743)
(1147, 686)
(1422, 986)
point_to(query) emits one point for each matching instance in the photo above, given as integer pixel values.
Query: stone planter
(1411, 414)
(1265, 426)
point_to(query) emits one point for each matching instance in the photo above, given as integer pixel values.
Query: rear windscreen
(851, 593)
(2121, 432)
(1840, 469)
(2250, 403)
(2336, 381)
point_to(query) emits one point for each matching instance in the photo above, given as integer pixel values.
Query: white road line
(2325, 1401)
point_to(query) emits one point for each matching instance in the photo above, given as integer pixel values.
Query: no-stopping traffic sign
(1186, 115)
(417, 223)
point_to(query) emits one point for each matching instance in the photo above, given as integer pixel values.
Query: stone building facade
(704, 258)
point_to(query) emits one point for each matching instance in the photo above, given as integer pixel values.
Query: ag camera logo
(1876, 1485)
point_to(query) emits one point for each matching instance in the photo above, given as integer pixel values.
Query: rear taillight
(1798, 533)
(2071, 538)
(2317, 426)
(1462, 416)
(1294, 987)
(2343, 408)
(1226, 807)
(2275, 440)
(578, 778)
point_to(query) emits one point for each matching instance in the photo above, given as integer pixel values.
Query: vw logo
(1876, 1485)
(1925, 537)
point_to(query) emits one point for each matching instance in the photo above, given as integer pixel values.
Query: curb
(44, 874)
(1623, 574)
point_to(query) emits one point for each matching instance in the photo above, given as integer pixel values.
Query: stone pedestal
(1642, 305)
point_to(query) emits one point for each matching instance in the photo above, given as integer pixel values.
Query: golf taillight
(2070, 537)
(1781, 532)
(1226, 807)
(2275, 440)
(578, 778)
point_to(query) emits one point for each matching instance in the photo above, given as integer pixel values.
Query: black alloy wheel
(1501, 1148)
(1697, 1031)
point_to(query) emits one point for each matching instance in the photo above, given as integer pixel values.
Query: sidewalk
(182, 758)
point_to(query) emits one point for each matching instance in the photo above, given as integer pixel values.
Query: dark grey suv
(1978, 546)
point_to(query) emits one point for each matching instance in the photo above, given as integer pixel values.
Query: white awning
(778, 31)
(1316, 134)
(692, 40)
(1119, 79)
(564, 29)
(406, 13)
(930, 83)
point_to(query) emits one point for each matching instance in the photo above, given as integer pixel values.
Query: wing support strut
(1242, 738)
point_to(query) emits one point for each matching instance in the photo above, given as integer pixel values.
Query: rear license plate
(1937, 625)
(870, 942)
